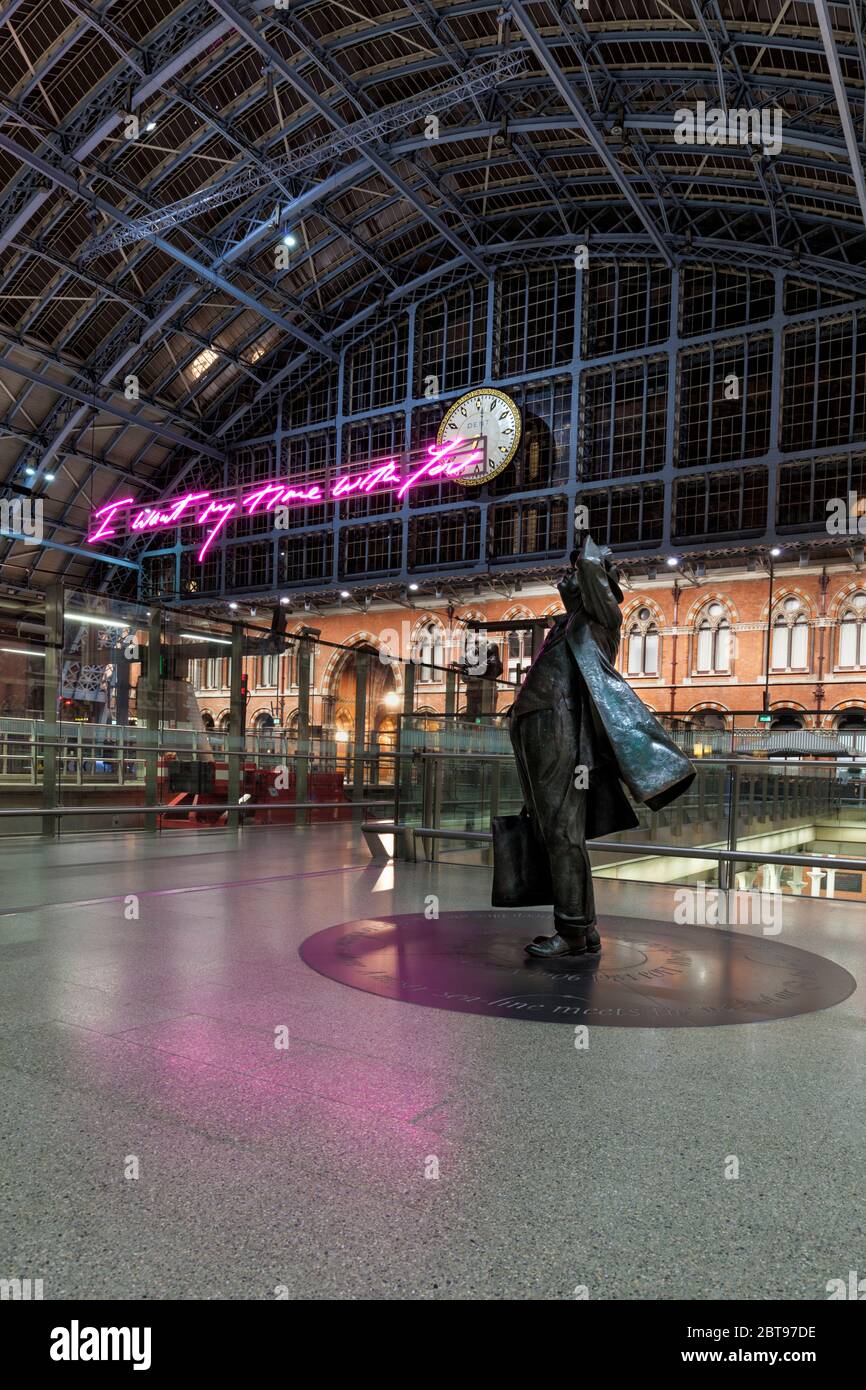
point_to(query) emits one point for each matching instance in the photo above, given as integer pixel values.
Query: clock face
(483, 414)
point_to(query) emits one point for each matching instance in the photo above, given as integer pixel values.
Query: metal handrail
(184, 808)
(816, 861)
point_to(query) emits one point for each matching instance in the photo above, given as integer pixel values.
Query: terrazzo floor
(160, 1141)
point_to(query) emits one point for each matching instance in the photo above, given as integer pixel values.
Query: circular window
(644, 614)
(791, 605)
(859, 600)
(715, 610)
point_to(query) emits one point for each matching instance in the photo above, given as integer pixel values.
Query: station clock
(489, 414)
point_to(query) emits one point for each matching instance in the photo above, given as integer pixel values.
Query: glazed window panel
(377, 369)
(626, 516)
(452, 538)
(824, 383)
(367, 442)
(534, 319)
(311, 403)
(370, 549)
(542, 455)
(713, 298)
(305, 558)
(426, 420)
(724, 402)
(720, 504)
(528, 528)
(809, 493)
(623, 420)
(626, 306)
(248, 566)
(310, 459)
(450, 338)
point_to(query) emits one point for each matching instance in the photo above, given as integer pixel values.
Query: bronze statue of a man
(578, 730)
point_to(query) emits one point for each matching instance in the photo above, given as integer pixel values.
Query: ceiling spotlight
(233, 606)
(150, 127)
(285, 602)
(672, 561)
(49, 477)
(289, 239)
(344, 593)
(775, 551)
(31, 472)
(413, 588)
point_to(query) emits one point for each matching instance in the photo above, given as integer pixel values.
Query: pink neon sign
(213, 511)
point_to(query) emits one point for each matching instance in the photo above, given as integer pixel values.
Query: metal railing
(731, 800)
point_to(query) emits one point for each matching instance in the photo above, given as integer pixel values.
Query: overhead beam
(584, 121)
(822, 10)
(280, 66)
(67, 182)
(72, 550)
(106, 408)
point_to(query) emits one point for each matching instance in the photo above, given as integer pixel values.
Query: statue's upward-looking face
(569, 591)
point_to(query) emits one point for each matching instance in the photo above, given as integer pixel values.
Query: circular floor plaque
(648, 975)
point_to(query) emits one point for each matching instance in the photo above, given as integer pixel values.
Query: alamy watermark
(739, 125)
(700, 905)
(846, 516)
(21, 518)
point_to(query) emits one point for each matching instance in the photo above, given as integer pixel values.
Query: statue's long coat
(624, 732)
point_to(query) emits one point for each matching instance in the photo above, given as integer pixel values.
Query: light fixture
(413, 588)
(233, 606)
(341, 736)
(289, 239)
(285, 602)
(775, 551)
(31, 472)
(344, 593)
(49, 477)
(392, 700)
(672, 562)
(72, 617)
(22, 651)
(205, 637)
(150, 127)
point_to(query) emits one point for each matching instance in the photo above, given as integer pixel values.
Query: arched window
(713, 641)
(269, 671)
(642, 650)
(708, 720)
(429, 653)
(790, 646)
(852, 638)
(519, 655)
(851, 721)
(786, 719)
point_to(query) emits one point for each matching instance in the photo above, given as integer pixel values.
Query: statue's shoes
(544, 947)
(593, 940)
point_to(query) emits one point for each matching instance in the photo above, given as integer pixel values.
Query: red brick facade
(702, 646)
